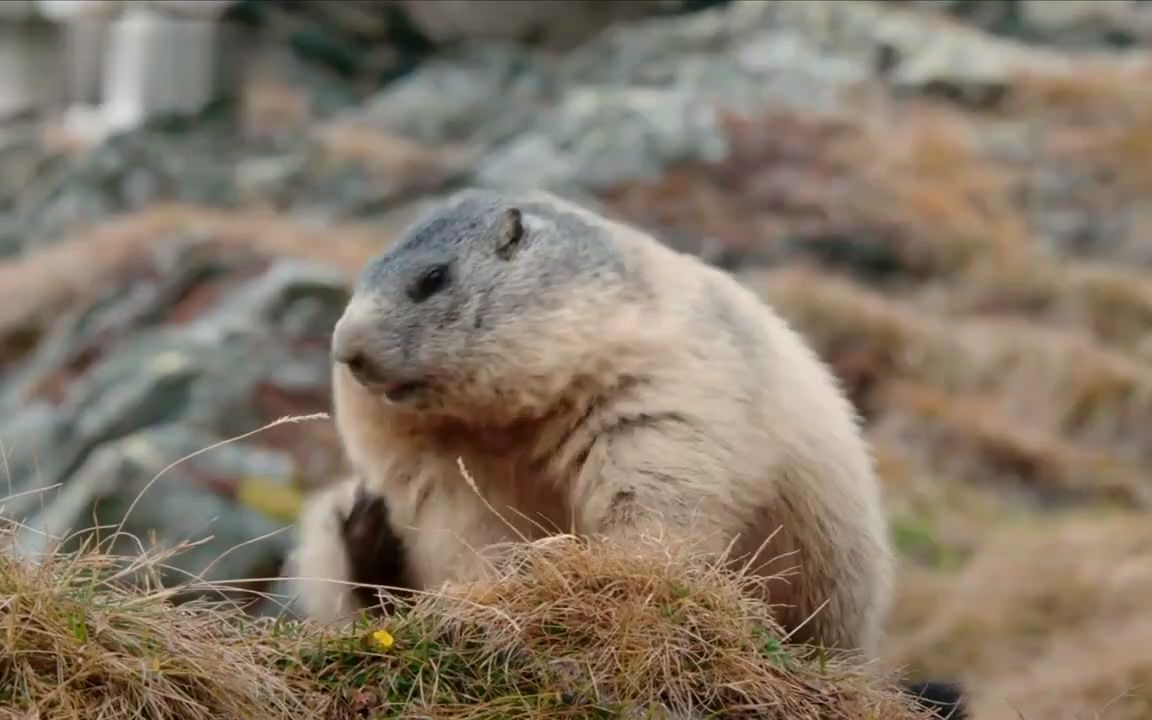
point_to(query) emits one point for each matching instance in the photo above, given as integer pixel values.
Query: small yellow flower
(383, 638)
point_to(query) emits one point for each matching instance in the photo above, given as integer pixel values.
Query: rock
(203, 347)
(721, 52)
(269, 179)
(28, 436)
(170, 503)
(556, 25)
(1078, 24)
(477, 94)
(650, 95)
(331, 172)
(338, 40)
(960, 63)
(23, 156)
(173, 275)
(344, 170)
(128, 172)
(638, 98)
(644, 95)
(602, 138)
(1088, 22)
(10, 239)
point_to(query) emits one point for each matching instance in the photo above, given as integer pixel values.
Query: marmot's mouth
(399, 391)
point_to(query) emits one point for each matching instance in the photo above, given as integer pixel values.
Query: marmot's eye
(431, 282)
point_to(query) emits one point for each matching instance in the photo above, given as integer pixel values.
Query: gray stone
(200, 374)
(602, 138)
(167, 392)
(29, 438)
(1079, 24)
(647, 95)
(125, 173)
(262, 179)
(139, 482)
(477, 94)
(726, 53)
(557, 25)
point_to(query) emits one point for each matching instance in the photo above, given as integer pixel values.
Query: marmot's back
(790, 454)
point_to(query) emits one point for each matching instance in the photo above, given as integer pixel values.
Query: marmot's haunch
(593, 380)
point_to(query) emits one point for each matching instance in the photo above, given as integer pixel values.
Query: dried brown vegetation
(563, 629)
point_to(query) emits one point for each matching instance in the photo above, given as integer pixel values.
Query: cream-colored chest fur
(447, 518)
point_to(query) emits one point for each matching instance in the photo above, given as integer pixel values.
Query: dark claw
(375, 553)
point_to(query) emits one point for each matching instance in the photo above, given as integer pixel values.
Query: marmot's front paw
(376, 554)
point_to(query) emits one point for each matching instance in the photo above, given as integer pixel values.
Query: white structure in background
(111, 64)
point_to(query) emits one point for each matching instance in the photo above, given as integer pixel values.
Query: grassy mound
(565, 629)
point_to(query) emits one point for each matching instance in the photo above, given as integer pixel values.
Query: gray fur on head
(475, 294)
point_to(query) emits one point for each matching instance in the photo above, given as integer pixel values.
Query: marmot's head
(490, 303)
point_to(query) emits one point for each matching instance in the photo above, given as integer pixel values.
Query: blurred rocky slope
(953, 205)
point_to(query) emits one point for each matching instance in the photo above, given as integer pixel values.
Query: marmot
(593, 380)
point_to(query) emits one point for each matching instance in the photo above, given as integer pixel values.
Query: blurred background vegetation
(951, 198)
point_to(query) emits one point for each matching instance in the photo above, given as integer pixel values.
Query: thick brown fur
(592, 380)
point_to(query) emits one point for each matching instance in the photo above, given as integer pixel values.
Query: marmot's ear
(511, 233)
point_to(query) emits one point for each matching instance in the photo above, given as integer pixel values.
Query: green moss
(914, 539)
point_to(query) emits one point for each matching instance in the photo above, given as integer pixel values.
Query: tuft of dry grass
(78, 644)
(561, 628)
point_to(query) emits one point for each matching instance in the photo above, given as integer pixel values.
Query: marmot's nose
(352, 343)
(362, 367)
